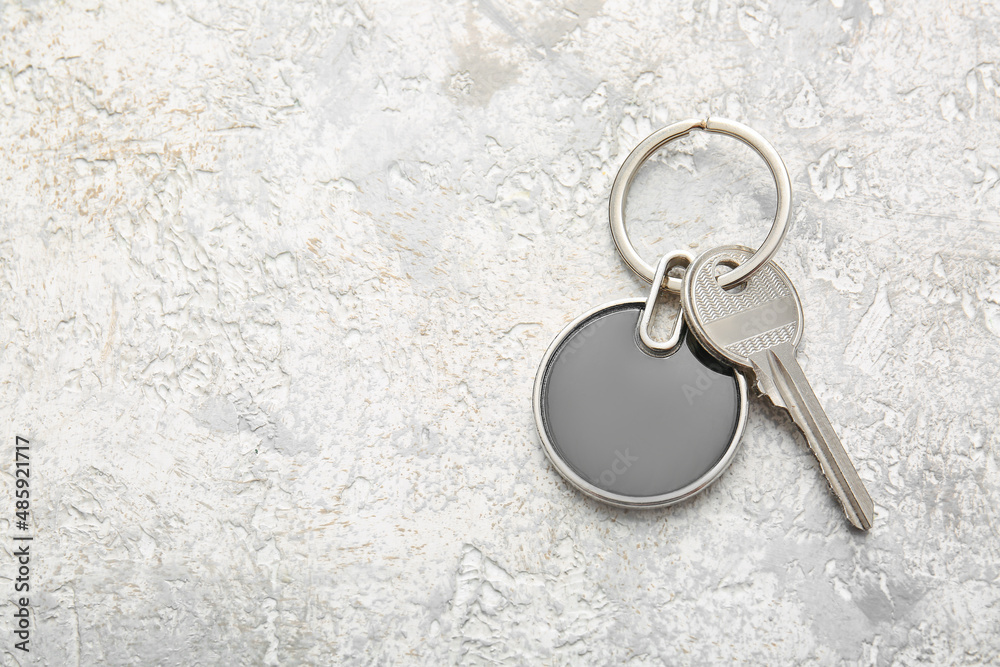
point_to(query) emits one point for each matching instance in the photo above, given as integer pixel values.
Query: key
(756, 326)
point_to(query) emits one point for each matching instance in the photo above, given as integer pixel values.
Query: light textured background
(275, 279)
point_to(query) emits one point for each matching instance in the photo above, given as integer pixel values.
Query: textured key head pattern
(734, 324)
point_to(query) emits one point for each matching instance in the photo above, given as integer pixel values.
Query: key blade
(781, 378)
(766, 387)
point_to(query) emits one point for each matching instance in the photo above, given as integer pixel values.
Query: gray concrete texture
(275, 278)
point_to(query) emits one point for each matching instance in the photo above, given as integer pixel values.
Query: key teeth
(865, 518)
(769, 373)
(763, 385)
(762, 391)
(861, 519)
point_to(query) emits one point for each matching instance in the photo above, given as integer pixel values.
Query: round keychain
(630, 420)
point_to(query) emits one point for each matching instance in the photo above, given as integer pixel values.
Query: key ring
(657, 140)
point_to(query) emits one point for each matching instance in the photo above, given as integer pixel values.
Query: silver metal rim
(655, 141)
(640, 502)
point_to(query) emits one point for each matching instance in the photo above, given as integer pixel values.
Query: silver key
(756, 327)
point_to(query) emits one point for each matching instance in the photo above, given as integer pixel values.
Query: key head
(734, 324)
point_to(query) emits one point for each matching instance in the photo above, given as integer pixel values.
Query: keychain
(637, 422)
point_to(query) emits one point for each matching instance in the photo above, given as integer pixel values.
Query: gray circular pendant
(631, 427)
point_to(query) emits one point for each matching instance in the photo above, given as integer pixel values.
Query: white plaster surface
(275, 277)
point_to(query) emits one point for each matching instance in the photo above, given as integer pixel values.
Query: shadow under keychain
(637, 422)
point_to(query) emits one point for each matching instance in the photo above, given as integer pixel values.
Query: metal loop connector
(657, 140)
(667, 262)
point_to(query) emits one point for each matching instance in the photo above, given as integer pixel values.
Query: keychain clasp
(657, 140)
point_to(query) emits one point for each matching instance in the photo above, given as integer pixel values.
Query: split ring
(657, 140)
